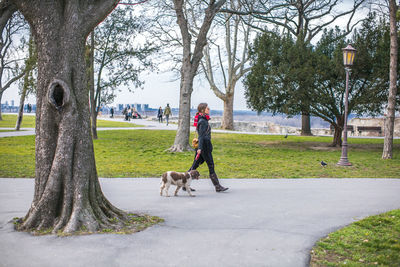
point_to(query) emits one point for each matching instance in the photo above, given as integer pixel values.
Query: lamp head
(348, 55)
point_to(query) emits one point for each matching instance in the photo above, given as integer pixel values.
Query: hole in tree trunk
(58, 95)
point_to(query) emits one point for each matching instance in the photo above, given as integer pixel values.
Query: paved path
(147, 124)
(255, 223)
(150, 124)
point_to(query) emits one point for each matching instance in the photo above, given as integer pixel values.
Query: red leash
(195, 160)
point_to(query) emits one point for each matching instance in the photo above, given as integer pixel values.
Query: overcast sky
(162, 88)
(158, 90)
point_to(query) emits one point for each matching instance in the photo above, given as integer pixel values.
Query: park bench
(350, 128)
(377, 129)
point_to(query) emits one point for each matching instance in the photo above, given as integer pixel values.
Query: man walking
(167, 112)
(159, 115)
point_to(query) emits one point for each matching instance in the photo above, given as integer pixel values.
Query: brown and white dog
(179, 179)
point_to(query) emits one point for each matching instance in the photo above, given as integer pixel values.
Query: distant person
(159, 115)
(129, 114)
(167, 112)
(112, 112)
(125, 112)
(136, 115)
(29, 108)
(204, 149)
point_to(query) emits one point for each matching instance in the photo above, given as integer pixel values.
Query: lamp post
(348, 58)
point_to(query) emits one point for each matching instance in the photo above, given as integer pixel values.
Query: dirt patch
(268, 143)
(324, 148)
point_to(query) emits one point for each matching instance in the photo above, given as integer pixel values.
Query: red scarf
(196, 118)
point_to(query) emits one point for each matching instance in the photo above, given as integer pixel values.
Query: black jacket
(204, 130)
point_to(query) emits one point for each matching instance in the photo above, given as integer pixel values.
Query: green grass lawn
(373, 241)
(28, 121)
(142, 153)
(9, 121)
(116, 124)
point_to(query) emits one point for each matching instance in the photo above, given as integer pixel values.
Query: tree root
(133, 223)
(180, 148)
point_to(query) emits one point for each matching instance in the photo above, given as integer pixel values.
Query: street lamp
(348, 58)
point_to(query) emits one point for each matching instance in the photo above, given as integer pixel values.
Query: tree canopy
(280, 66)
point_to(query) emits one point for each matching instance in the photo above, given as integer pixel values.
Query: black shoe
(191, 189)
(220, 188)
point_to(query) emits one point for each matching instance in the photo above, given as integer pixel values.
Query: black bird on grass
(323, 164)
(285, 136)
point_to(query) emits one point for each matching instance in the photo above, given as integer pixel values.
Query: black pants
(206, 155)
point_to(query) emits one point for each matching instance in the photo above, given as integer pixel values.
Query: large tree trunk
(93, 120)
(181, 142)
(1, 96)
(7, 9)
(338, 133)
(93, 112)
(305, 124)
(227, 119)
(337, 137)
(67, 194)
(390, 115)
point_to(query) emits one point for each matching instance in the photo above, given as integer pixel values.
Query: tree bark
(21, 106)
(390, 114)
(1, 96)
(305, 124)
(337, 136)
(227, 119)
(93, 120)
(93, 112)
(67, 195)
(7, 9)
(181, 142)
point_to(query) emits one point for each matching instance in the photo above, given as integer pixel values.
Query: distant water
(279, 119)
(252, 116)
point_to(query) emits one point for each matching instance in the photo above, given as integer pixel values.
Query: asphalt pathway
(255, 223)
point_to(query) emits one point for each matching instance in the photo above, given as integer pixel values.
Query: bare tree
(67, 195)
(28, 81)
(190, 63)
(231, 61)
(393, 77)
(11, 24)
(7, 9)
(117, 57)
(304, 19)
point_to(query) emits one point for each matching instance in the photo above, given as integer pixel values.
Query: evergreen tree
(276, 74)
